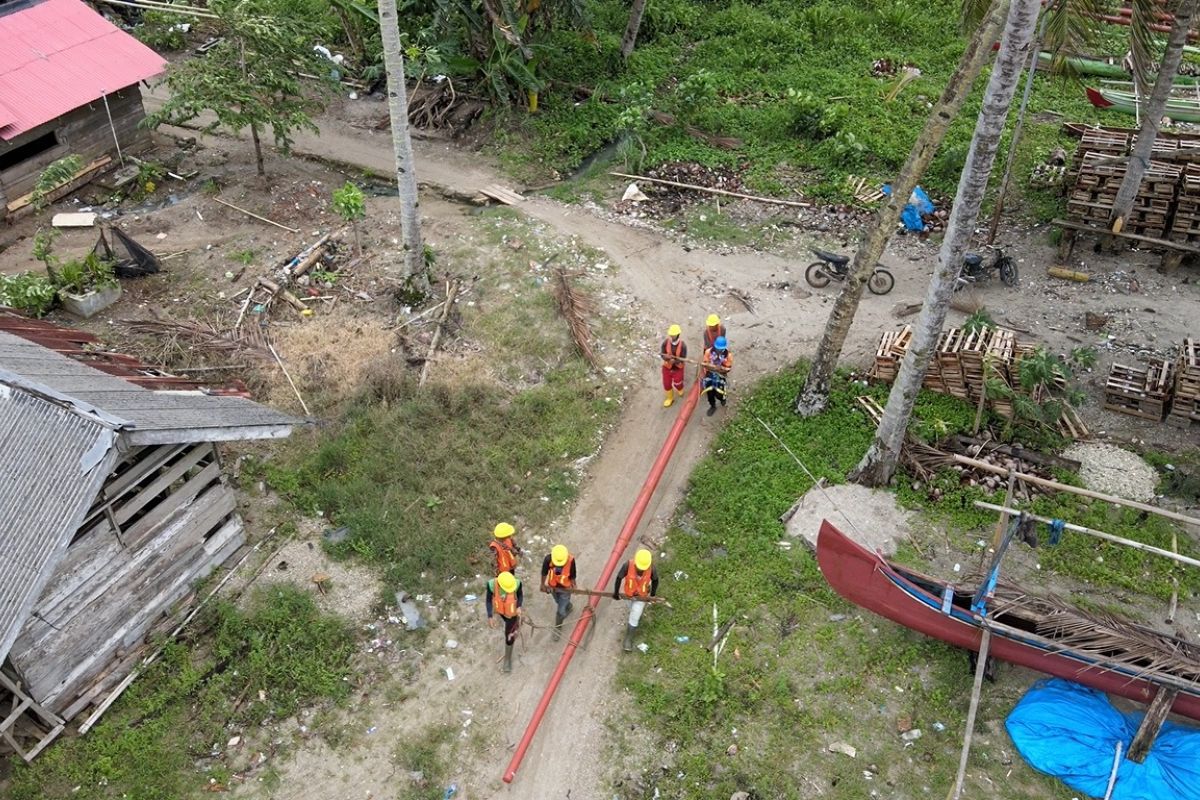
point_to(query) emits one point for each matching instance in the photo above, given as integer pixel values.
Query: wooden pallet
(1144, 393)
(1185, 410)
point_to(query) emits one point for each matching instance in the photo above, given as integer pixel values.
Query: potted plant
(87, 287)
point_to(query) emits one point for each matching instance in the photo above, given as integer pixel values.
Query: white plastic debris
(633, 194)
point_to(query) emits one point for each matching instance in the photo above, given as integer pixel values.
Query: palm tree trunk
(815, 394)
(406, 176)
(879, 463)
(629, 40)
(1156, 106)
(258, 154)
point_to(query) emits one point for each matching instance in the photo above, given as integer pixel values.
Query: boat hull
(1178, 109)
(867, 580)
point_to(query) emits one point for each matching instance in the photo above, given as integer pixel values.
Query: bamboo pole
(1062, 487)
(256, 216)
(299, 397)
(772, 200)
(599, 593)
(985, 643)
(1108, 537)
(170, 9)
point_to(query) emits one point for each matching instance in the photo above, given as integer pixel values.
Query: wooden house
(68, 86)
(112, 505)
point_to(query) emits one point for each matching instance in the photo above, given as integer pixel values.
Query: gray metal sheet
(55, 460)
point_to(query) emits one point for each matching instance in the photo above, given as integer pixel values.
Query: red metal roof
(87, 349)
(58, 55)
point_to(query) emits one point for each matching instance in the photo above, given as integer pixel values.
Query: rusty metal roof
(55, 459)
(58, 55)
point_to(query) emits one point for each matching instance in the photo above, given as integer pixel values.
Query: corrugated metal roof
(56, 458)
(154, 417)
(58, 55)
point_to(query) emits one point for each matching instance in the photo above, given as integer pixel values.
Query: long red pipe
(614, 558)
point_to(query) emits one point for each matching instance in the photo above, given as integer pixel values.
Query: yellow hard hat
(674, 330)
(712, 321)
(641, 560)
(507, 581)
(559, 555)
(503, 531)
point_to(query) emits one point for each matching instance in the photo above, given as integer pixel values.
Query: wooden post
(985, 642)
(1151, 724)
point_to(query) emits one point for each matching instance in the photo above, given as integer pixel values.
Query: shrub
(28, 292)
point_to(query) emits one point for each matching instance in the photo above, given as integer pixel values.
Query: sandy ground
(871, 517)
(662, 280)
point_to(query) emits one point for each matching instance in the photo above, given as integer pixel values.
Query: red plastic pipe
(614, 558)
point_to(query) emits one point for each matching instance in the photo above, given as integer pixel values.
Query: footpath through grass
(165, 738)
(803, 669)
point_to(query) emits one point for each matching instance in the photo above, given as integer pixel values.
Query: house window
(27, 150)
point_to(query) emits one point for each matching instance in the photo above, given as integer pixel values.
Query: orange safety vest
(710, 337)
(636, 584)
(506, 559)
(560, 577)
(503, 603)
(711, 357)
(678, 351)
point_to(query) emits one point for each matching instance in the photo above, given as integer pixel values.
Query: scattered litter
(449, 673)
(408, 612)
(74, 220)
(837, 617)
(957, 567)
(732, 750)
(160, 236)
(911, 736)
(336, 535)
(451, 790)
(843, 748)
(234, 742)
(682, 639)
(470, 598)
(452, 644)
(371, 730)
(939, 727)
(643, 647)
(633, 194)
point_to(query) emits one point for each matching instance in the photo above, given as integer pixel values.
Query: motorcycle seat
(832, 258)
(972, 260)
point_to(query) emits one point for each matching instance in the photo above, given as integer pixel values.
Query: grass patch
(159, 741)
(803, 669)
(424, 763)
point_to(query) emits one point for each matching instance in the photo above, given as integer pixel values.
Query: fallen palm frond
(575, 308)
(205, 337)
(1104, 637)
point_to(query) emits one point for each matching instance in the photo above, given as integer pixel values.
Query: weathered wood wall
(85, 132)
(165, 519)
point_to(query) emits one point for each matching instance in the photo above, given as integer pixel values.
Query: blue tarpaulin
(918, 205)
(1071, 732)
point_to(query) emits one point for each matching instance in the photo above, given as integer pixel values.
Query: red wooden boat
(943, 611)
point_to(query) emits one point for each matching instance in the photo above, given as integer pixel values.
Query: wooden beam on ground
(500, 193)
(1108, 537)
(1152, 723)
(1062, 487)
(985, 642)
(256, 216)
(724, 192)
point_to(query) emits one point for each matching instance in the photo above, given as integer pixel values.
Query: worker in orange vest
(558, 575)
(713, 329)
(714, 374)
(637, 580)
(504, 548)
(504, 599)
(673, 350)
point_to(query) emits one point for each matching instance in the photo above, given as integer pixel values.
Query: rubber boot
(558, 623)
(507, 665)
(627, 646)
(678, 392)
(669, 399)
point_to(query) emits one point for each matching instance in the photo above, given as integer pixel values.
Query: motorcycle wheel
(881, 281)
(816, 275)
(1008, 272)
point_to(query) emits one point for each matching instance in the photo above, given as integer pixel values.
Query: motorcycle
(833, 267)
(974, 270)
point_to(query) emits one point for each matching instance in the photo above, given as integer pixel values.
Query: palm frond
(1071, 26)
(973, 13)
(1143, 44)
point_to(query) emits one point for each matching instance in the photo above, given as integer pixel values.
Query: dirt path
(668, 284)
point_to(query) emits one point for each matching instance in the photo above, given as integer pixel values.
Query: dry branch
(575, 309)
(203, 336)
(451, 290)
(740, 195)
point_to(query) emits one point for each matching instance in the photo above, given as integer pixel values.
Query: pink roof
(58, 55)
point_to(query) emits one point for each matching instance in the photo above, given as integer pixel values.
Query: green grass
(804, 669)
(727, 68)
(424, 763)
(156, 742)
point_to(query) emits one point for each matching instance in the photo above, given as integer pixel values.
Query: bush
(27, 291)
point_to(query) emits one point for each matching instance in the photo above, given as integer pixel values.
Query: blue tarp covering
(918, 205)
(1071, 732)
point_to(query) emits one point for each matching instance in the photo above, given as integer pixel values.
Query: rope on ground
(811, 477)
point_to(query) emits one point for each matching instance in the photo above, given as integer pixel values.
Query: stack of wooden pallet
(1185, 410)
(1139, 392)
(1186, 225)
(1096, 190)
(892, 347)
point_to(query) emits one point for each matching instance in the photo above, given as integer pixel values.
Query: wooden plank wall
(165, 519)
(85, 132)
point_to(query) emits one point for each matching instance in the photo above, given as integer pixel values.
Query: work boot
(722, 401)
(507, 665)
(628, 644)
(712, 409)
(558, 623)
(678, 392)
(669, 399)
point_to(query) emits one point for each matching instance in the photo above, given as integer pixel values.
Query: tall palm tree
(629, 40)
(406, 176)
(814, 396)
(879, 463)
(1156, 106)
